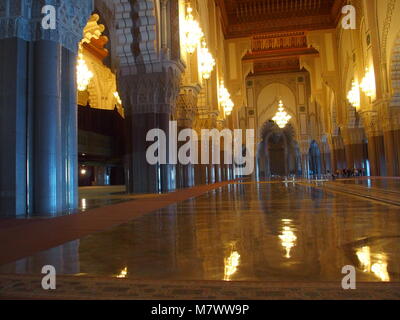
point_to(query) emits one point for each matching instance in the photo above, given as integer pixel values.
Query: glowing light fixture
(84, 75)
(83, 172)
(354, 95)
(225, 99)
(281, 118)
(368, 83)
(193, 32)
(206, 61)
(117, 97)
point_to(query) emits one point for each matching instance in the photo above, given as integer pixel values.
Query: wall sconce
(206, 61)
(193, 32)
(368, 85)
(354, 95)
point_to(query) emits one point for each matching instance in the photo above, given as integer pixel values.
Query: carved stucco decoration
(395, 74)
(386, 28)
(151, 93)
(186, 106)
(23, 19)
(372, 123)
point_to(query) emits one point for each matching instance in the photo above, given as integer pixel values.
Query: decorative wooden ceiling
(278, 29)
(279, 51)
(244, 18)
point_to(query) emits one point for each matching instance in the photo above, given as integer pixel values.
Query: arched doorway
(277, 149)
(278, 154)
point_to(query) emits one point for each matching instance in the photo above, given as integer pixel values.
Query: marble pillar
(376, 155)
(14, 58)
(38, 170)
(143, 177)
(69, 131)
(149, 100)
(47, 149)
(392, 150)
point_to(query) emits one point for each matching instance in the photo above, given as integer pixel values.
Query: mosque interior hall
(108, 176)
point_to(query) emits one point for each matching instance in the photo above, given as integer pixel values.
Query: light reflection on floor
(263, 232)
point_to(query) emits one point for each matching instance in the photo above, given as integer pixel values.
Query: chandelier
(354, 95)
(84, 75)
(225, 99)
(206, 61)
(281, 117)
(368, 83)
(193, 32)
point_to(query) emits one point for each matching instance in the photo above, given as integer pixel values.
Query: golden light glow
(84, 204)
(364, 256)
(225, 99)
(192, 32)
(368, 83)
(123, 273)
(206, 61)
(281, 118)
(354, 95)
(376, 264)
(231, 265)
(288, 238)
(118, 98)
(380, 270)
(83, 74)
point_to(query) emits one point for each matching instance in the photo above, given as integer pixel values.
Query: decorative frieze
(150, 92)
(23, 19)
(186, 105)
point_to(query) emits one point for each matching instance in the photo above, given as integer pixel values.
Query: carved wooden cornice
(246, 18)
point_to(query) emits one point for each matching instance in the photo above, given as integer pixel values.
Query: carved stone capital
(391, 119)
(372, 123)
(150, 92)
(186, 106)
(23, 19)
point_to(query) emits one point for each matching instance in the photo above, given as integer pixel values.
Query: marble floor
(244, 232)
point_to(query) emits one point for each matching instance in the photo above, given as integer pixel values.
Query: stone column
(186, 110)
(69, 130)
(38, 173)
(376, 147)
(305, 158)
(392, 140)
(47, 158)
(149, 100)
(13, 132)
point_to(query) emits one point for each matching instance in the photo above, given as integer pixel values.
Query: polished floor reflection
(242, 232)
